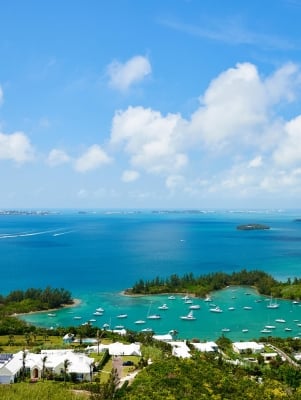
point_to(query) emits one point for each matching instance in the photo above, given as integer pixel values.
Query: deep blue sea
(97, 254)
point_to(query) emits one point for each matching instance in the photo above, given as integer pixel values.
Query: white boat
(163, 307)
(295, 302)
(186, 297)
(272, 304)
(208, 299)
(98, 313)
(279, 320)
(265, 330)
(225, 330)
(140, 321)
(77, 317)
(216, 309)
(194, 307)
(188, 317)
(287, 329)
(147, 330)
(245, 330)
(231, 308)
(51, 315)
(171, 298)
(188, 301)
(270, 326)
(154, 316)
(122, 316)
(105, 326)
(99, 309)
(119, 327)
(247, 308)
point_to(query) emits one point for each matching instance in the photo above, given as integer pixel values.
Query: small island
(252, 227)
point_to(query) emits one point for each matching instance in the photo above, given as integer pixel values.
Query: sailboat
(152, 316)
(188, 317)
(272, 304)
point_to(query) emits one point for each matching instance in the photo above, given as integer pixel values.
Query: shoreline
(75, 303)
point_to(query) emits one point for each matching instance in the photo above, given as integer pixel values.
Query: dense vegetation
(19, 301)
(202, 285)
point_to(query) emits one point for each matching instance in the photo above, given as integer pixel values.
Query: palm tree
(43, 368)
(24, 354)
(66, 365)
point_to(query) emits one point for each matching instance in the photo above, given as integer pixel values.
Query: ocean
(97, 254)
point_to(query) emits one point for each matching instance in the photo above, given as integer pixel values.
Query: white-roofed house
(180, 349)
(121, 349)
(206, 347)
(11, 368)
(246, 347)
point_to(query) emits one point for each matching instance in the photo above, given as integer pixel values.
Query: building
(47, 362)
(247, 347)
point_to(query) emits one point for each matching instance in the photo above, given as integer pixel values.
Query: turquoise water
(98, 254)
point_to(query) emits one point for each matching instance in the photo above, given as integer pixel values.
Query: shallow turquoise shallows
(97, 254)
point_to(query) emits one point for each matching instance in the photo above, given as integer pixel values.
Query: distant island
(252, 227)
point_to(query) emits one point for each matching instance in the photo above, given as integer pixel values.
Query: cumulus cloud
(130, 176)
(255, 162)
(92, 159)
(123, 76)
(149, 138)
(173, 182)
(16, 147)
(288, 151)
(57, 157)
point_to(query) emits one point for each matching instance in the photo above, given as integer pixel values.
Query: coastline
(75, 303)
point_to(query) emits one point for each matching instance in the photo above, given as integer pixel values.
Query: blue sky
(150, 104)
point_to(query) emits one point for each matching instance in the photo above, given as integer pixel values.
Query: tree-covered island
(202, 285)
(20, 301)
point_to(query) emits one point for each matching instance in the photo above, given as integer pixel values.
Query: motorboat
(154, 316)
(163, 307)
(265, 330)
(140, 321)
(122, 316)
(281, 321)
(216, 309)
(194, 307)
(225, 330)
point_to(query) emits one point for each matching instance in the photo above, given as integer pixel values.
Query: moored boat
(188, 317)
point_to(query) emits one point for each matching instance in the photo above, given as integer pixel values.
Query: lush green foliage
(19, 301)
(202, 285)
(40, 391)
(203, 377)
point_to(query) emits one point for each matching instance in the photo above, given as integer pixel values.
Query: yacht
(216, 309)
(163, 307)
(139, 322)
(154, 316)
(188, 317)
(281, 321)
(194, 307)
(122, 316)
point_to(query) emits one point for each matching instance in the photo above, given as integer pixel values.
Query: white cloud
(93, 158)
(255, 162)
(234, 105)
(16, 147)
(173, 182)
(57, 157)
(130, 176)
(122, 76)
(150, 139)
(288, 150)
